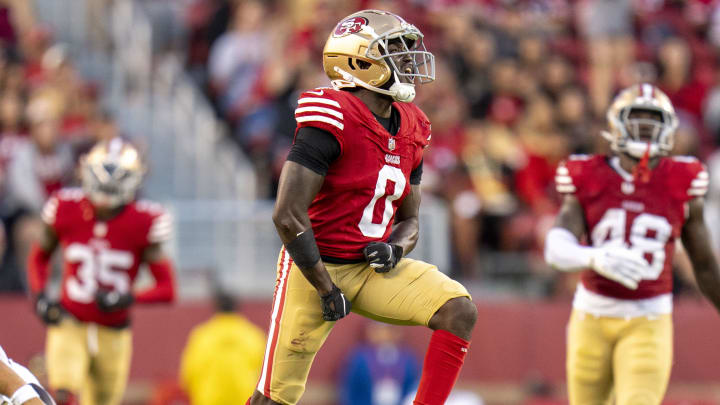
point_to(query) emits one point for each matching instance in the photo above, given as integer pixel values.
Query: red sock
(443, 360)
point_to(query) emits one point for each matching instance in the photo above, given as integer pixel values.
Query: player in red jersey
(347, 213)
(631, 206)
(105, 236)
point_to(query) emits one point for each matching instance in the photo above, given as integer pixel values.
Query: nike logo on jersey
(317, 93)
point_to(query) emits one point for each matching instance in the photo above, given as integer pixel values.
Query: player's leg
(297, 331)
(643, 359)
(589, 357)
(111, 364)
(417, 293)
(67, 360)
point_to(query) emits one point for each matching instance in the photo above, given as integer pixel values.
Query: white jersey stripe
(321, 118)
(319, 100)
(273, 333)
(566, 189)
(49, 211)
(313, 108)
(700, 183)
(563, 179)
(697, 191)
(563, 171)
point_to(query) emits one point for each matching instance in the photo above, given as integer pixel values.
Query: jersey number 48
(648, 235)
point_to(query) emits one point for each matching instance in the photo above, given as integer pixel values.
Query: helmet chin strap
(402, 92)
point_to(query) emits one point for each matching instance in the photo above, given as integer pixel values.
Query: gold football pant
(89, 360)
(409, 294)
(631, 357)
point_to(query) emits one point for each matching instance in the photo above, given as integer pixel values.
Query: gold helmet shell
(358, 46)
(624, 135)
(111, 173)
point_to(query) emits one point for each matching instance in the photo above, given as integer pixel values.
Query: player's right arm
(38, 265)
(297, 189)
(564, 252)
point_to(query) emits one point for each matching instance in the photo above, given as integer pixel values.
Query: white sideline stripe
(313, 108)
(563, 179)
(276, 308)
(321, 118)
(319, 100)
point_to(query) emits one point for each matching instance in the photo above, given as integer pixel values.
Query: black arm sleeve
(315, 149)
(416, 174)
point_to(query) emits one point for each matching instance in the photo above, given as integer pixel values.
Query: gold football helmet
(357, 53)
(636, 136)
(111, 173)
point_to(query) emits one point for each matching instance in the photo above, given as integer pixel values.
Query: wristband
(23, 394)
(303, 249)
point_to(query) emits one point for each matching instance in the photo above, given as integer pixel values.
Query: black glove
(48, 311)
(335, 305)
(109, 300)
(382, 256)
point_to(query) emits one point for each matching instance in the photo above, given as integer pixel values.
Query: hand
(48, 311)
(109, 300)
(382, 256)
(620, 264)
(335, 305)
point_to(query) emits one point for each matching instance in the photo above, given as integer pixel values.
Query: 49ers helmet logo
(350, 26)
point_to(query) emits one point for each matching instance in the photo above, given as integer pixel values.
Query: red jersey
(101, 254)
(369, 180)
(646, 216)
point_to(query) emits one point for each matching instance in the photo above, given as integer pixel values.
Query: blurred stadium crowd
(49, 116)
(520, 85)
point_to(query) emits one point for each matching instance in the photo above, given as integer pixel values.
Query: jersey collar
(614, 162)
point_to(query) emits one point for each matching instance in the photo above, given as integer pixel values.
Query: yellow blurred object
(222, 359)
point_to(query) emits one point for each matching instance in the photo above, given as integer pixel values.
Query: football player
(631, 207)
(347, 213)
(105, 236)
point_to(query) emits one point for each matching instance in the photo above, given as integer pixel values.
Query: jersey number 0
(388, 174)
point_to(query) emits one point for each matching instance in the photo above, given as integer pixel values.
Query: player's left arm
(696, 239)
(161, 268)
(407, 225)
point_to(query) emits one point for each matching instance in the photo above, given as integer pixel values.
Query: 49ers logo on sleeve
(350, 26)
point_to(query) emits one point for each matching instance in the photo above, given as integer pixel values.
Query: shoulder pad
(70, 194)
(161, 223)
(150, 207)
(320, 108)
(688, 177)
(563, 180)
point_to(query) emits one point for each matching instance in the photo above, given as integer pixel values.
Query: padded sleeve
(315, 149)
